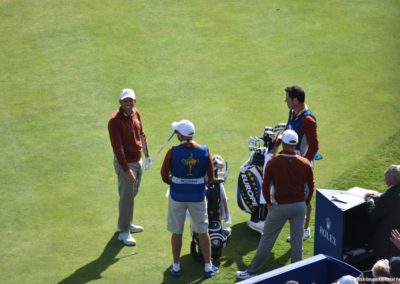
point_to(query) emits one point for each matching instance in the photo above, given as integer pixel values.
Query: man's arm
(309, 129)
(166, 168)
(114, 130)
(267, 180)
(143, 137)
(311, 184)
(380, 209)
(144, 145)
(210, 168)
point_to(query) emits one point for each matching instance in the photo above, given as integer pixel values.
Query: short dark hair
(296, 92)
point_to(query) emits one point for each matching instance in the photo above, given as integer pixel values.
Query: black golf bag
(218, 214)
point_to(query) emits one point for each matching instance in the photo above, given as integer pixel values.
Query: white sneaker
(242, 275)
(126, 238)
(256, 226)
(306, 235)
(133, 229)
(136, 229)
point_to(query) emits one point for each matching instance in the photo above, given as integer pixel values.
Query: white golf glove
(147, 163)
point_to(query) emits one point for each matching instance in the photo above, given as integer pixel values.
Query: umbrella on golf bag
(218, 213)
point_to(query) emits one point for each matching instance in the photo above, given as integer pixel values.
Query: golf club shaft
(163, 146)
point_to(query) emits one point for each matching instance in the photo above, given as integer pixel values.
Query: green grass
(221, 64)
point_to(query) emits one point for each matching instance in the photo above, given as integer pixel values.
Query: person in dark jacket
(384, 215)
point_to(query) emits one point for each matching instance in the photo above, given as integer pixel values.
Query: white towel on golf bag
(223, 206)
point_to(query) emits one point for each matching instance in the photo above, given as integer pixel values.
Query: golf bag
(218, 213)
(249, 188)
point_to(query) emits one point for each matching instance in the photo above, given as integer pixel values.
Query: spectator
(384, 215)
(394, 264)
(381, 272)
(347, 279)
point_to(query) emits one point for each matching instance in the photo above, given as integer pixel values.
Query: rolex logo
(328, 223)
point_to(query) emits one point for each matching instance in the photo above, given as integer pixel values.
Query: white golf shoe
(256, 226)
(126, 238)
(136, 229)
(306, 235)
(133, 229)
(242, 275)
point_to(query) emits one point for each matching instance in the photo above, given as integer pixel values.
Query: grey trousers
(276, 219)
(127, 191)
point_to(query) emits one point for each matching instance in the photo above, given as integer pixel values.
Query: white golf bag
(249, 188)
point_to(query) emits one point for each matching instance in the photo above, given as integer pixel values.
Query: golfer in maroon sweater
(284, 190)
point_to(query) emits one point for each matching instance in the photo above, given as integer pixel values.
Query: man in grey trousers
(128, 142)
(284, 190)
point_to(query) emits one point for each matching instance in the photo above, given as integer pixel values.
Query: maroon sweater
(125, 132)
(288, 173)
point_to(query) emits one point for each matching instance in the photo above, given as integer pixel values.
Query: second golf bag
(218, 213)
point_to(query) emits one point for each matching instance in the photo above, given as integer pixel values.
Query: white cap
(184, 127)
(290, 137)
(127, 93)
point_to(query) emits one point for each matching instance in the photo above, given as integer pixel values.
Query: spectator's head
(392, 175)
(347, 279)
(394, 265)
(292, 282)
(381, 271)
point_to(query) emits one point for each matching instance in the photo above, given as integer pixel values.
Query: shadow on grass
(243, 241)
(237, 247)
(93, 269)
(192, 272)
